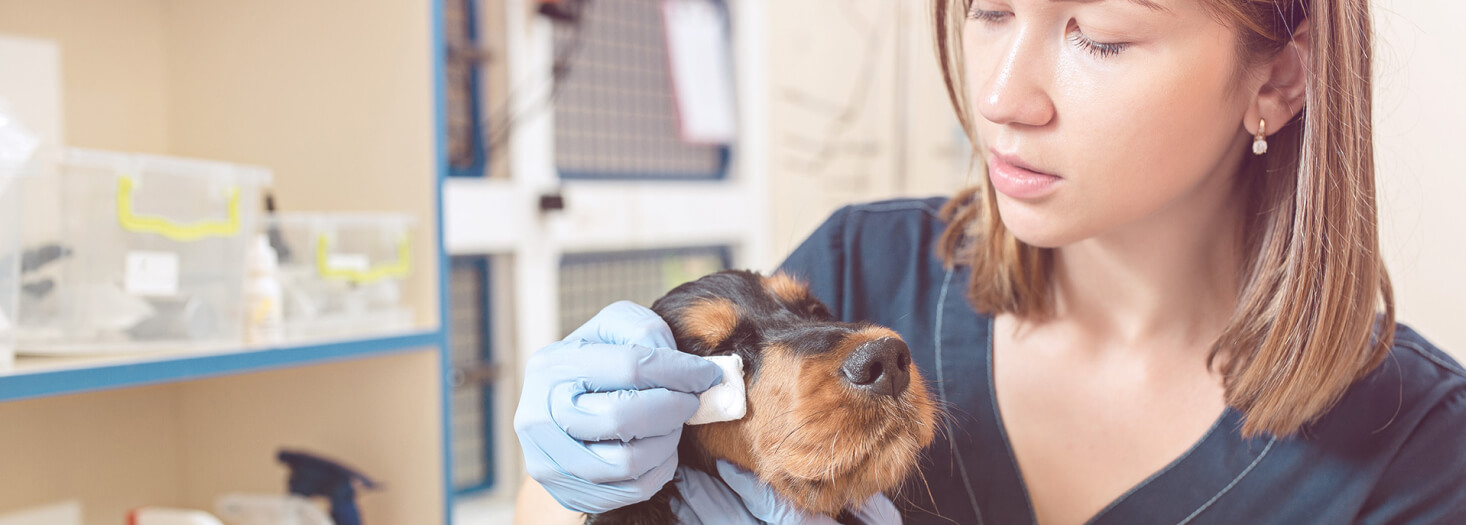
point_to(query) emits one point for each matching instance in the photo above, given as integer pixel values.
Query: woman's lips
(1019, 183)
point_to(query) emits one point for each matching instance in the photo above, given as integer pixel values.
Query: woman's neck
(1170, 279)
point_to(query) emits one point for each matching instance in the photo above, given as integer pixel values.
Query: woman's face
(1131, 108)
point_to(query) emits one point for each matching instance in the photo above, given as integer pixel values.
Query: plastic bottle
(262, 295)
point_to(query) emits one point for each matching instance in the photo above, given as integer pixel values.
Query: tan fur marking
(870, 334)
(711, 320)
(786, 288)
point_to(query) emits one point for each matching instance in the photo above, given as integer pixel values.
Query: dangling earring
(1259, 142)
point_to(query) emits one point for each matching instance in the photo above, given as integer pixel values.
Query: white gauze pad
(725, 401)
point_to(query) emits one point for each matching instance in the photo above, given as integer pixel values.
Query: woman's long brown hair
(1315, 309)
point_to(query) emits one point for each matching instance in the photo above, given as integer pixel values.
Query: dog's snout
(881, 367)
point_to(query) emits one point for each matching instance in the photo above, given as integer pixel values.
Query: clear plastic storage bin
(343, 275)
(9, 264)
(127, 252)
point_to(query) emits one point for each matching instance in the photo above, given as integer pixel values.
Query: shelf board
(35, 377)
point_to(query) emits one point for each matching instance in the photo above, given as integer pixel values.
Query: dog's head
(836, 411)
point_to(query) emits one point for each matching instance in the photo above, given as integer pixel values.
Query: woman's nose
(1015, 89)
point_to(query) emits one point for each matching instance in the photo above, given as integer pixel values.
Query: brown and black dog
(836, 411)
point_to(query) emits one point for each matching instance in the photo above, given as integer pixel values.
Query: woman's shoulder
(1410, 344)
(1417, 388)
(862, 220)
(886, 224)
(1409, 413)
(864, 253)
(1436, 380)
(1422, 372)
(928, 206)
(868, 230)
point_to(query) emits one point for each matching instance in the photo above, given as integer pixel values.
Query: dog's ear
(711, 316)
(704, 325)
(701, 318)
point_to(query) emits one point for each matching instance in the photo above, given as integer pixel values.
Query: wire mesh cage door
(604, 200)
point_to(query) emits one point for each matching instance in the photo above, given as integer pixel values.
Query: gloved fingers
(612, 461)
(623, 323)
(609, 367)
(622, 414)
(761, 500)
(595, 498)
(630, 455)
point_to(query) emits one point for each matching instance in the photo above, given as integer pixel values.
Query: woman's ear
(1284, 84)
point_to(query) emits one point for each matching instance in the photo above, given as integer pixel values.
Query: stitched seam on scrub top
(1229, 486)
(942, 390)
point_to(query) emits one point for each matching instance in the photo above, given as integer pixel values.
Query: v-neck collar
(989, 469)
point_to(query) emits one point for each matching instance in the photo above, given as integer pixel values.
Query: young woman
(1164, 303)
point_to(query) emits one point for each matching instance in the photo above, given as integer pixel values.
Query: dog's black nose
(882, 366)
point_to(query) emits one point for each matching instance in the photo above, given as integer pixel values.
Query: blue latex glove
(740, 498)
(602, 411)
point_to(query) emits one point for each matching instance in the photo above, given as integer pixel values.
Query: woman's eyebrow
(1148, 4)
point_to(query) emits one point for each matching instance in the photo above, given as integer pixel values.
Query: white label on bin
(349, 261)
(151, 273)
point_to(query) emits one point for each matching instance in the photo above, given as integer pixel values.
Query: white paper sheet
(700, 57)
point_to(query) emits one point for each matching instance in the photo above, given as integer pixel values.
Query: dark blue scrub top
(1392, 451)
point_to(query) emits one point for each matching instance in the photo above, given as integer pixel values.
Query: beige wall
(114, 67)
(51, 452)
(857, 111)
(334, 95)
(1420, 131)
(823, 100)
(380, 415)
(184, 445)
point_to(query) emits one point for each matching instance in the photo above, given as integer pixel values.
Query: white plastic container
(134, 252)
(263, 318)
(343, 275)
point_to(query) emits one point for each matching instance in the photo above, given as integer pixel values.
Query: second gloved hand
(602, 411)
(741, 498)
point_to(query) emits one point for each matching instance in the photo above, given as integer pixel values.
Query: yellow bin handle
(132, 222)
(399, 268)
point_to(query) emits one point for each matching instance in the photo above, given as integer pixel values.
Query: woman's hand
(602, 411)
(741, 498)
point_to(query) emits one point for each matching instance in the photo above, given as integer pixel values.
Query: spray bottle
(310, 476)
(316, 476)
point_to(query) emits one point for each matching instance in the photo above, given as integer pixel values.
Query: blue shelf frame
(438, 48)
(163, 369)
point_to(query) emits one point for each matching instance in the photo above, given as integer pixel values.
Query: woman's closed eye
(1076, 36)
(987, 16)
(1099, 49)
